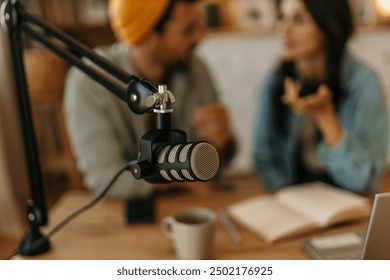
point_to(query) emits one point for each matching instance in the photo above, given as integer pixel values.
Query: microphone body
(187, 162)
(184, 162)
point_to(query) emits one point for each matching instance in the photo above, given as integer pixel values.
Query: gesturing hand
(319, 105)
(212, 124)
(315, 103)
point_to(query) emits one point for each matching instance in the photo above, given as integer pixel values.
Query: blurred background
(243, 38)
(241, 45)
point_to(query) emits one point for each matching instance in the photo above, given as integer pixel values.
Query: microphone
(184, 162)
(165, 155)
(187, 162)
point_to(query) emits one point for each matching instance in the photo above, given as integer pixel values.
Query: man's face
(182, 32)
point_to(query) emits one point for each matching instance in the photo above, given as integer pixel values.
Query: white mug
(192, 232)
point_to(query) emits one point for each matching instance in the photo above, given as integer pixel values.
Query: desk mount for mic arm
(140, 95)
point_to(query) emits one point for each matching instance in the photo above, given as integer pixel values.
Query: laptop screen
(374, 245)
(377, 241)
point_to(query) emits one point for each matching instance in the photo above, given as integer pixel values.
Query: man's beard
(179, 67)
(183, 63)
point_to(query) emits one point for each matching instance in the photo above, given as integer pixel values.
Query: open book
(298, 209)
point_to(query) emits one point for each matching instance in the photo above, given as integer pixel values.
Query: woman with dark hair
(321, 113)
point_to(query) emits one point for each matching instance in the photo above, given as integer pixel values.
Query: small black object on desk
(140, 210)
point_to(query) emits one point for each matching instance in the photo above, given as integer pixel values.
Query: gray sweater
(105, 134)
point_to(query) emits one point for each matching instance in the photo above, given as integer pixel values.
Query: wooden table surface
(101, 232)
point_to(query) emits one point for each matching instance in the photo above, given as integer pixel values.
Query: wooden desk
(101, 233)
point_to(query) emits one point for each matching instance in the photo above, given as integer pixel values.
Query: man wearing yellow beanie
(133, 20)
(156, 39)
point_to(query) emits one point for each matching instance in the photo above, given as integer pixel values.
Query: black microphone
(187, 162)
(184, 162)
(165, 155)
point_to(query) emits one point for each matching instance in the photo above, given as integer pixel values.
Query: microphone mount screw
(162, 100)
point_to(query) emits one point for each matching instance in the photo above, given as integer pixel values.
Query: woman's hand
(316, 103)
(319, 105)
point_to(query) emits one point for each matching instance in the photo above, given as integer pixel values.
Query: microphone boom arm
(140, 95)
(129, 88)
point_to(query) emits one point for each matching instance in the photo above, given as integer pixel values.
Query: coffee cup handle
(167, 226)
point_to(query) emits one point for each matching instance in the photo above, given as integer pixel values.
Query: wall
(239, 62)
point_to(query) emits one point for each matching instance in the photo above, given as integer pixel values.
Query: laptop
(372, 245)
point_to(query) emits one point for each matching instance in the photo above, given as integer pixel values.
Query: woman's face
(302, 39)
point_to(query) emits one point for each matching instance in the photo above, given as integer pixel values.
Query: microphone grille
(161, 154)
(172, 154)
(204, 161)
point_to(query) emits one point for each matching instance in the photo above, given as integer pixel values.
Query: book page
(324, 204)
(265, 217)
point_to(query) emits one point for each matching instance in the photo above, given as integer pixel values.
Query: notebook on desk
(374, 245)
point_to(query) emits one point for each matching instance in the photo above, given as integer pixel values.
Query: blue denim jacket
(358, 158)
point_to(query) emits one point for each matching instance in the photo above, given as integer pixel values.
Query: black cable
(74, 214)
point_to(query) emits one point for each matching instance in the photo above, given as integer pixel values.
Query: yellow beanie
(132, 20)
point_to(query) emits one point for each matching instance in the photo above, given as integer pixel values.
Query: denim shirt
(355, 162)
